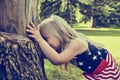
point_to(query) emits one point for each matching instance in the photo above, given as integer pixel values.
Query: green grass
(109, 37)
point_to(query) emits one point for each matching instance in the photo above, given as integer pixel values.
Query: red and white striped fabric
(111, 72)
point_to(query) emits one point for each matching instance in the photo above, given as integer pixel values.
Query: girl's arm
(75, 47)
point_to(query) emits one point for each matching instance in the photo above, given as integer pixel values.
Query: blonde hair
(59, 28)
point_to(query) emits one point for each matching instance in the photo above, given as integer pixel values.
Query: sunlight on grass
(56, 73)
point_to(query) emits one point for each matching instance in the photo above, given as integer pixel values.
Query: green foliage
(62, 8)
(49, 7)
(103, 12)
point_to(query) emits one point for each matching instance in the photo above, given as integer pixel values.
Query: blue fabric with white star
(89, 60)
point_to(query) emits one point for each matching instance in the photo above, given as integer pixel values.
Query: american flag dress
(97, 64)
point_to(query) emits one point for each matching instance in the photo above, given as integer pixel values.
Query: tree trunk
(20, 59)
(16, 14)
(93, 21)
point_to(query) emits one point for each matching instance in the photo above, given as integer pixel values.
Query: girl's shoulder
(79, 45)
(80, 42)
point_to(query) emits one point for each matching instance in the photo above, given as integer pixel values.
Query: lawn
(109, 37)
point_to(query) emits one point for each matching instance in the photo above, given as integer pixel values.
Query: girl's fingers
(30, 35)
(30, 31)
(32, 25)
(29, 27)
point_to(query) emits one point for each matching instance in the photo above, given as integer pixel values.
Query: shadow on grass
(100, 32)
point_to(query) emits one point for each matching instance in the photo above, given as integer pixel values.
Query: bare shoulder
(75, 47)
(78, 45)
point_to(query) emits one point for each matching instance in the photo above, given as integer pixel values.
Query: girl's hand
(33, 31)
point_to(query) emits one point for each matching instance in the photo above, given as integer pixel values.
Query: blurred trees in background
(103, 13)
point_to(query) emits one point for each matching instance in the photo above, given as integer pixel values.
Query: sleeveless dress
(97, 64)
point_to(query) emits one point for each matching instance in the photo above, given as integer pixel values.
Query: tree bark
(20, 59)
(93, 21)
(16, 14)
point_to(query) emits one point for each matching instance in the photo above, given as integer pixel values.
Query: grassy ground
(109, 37)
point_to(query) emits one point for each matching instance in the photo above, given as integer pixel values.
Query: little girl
(62, 44)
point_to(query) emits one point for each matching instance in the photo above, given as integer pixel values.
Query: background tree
(63, 8)
(101, 12)
(20, 59)
(49, 7)
(15, 15)
(114, 17)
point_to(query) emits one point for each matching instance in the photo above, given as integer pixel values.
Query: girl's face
(50, 39)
